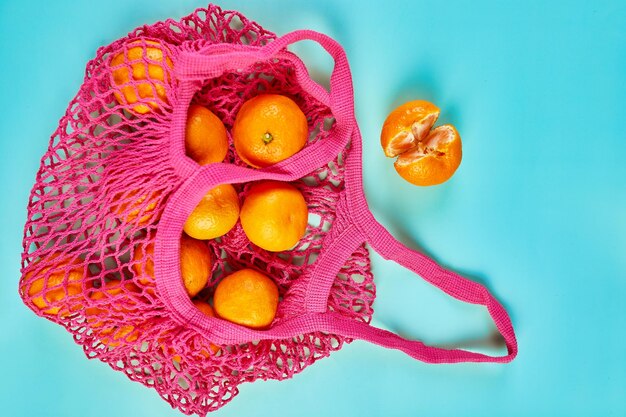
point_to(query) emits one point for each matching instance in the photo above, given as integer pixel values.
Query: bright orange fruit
(206, 140)
(215, 214)
(246, 297)
(427, 156)
(142, 63)
(128, 206)
(115, 336)
(143, 265)
(274, 215)
(64, 282)
(119, 299)
(118, 296)
(268, 129)
(195, 264)
(434, 160)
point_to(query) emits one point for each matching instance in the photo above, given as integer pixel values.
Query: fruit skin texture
(215, 214)
(195, 265)
(246, 297)
(206, 140)
(268, 129)
(128, 66)
(406, 125)
(274, 215)
(434, 160)
(131, 205)
(49, 296)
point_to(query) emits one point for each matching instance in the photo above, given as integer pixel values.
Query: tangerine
(274, 215)
(64, 281)
(139, 73)
(268, 129)
(246, 297)
(215, 214)
(206, 140)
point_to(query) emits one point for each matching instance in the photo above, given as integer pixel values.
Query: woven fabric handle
(451, 283)
(372, 232)
(214, 60)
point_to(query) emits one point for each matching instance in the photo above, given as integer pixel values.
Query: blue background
(537, 210)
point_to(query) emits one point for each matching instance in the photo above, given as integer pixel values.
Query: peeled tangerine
(434, 159)
(426, 157)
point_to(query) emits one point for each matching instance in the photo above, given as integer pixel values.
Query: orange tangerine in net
(206, 140)
(195, 264)
(434, 160)
(116, 299)
(246, 297)
(274, 215)
(215, 214)
(54, 288)
(139, 74)
(143, 265)
(268, 129)
(406, 125)
(115, 336)
(131, 205)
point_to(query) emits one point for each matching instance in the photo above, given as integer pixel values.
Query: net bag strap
(451, 283)
(217, 59)
(358, 225)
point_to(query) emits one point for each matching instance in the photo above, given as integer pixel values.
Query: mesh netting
(103, 184)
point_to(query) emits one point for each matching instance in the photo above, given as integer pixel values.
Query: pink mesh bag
(115, 181)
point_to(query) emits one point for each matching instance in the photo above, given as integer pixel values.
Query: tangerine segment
(268, 129)
(407, 125)
(434, 160)
(274, 215)
(246, 297)
(64, 281)
(139, 73)
(206, 140)
(215, 214)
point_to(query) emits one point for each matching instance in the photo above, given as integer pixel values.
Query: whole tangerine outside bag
(115, 182)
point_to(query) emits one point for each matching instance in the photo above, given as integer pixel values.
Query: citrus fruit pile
(268, 128)
(159, 276)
